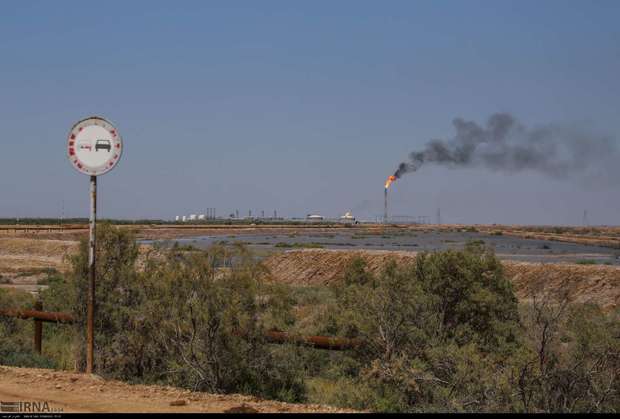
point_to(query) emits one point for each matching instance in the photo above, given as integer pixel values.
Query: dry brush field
(27, 257)
(580, 283)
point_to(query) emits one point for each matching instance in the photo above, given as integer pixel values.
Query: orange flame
(389, 181)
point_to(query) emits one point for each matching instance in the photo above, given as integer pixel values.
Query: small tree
(432, 331)
(572, 361)
(187, 317)
(120, 336)
(211, 324)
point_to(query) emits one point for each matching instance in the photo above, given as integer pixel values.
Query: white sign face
(94, 146)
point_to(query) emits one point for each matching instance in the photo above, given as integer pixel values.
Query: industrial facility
(347, 218)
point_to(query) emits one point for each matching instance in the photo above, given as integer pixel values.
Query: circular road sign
(94, 146)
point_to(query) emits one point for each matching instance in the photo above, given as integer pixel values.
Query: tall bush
(178, 316)
(433, 331)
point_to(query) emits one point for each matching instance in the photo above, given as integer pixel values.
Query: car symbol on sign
(86, 146)
(103, 145)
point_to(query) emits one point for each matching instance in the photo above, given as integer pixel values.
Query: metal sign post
(92, 255)
(94, 147)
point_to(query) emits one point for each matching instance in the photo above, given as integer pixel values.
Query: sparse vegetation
(586, 262)
(183, 320)
(16, 335)
(298, 245)
(184, 247)
(444, 333)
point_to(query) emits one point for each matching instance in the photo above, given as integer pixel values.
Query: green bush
(356, 273)
(210, 324)
(586, 262)
(447, 335)
(14, 354)
(16, 335)
(433, 331)
(119, 339)
(299, 245)
(573, 359)
(192, 319)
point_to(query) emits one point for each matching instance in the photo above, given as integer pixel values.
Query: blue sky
(300, 106)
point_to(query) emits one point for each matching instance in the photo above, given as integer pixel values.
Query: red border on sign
(116, 143)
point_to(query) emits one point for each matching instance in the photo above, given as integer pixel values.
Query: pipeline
(273, 336)
(44, 316)
(318, 342)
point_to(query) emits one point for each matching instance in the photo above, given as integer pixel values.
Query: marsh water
(506, 247)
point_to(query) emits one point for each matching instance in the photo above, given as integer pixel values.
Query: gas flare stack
(385, 198)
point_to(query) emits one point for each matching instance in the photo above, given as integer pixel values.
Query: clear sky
(300, 106)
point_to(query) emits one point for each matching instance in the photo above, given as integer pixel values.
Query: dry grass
(36, 247)
(26, 261)
(581, 283)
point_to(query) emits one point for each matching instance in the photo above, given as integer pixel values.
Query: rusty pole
(38, 328)
(43, 316)
(90, 339)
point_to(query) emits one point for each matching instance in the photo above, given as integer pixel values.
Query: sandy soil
(20, 253)
(580, 283)
(80, 393)
(598, 284)
(26, 261)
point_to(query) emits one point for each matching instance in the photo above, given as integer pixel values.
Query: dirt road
(79, 393)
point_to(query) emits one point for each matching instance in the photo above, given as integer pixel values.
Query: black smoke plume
(504, 144)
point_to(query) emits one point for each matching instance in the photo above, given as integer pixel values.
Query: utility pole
(438, 216)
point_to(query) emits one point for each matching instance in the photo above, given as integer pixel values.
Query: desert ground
(584, 261)
(80, 393)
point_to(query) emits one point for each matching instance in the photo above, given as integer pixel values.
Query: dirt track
(79, 393)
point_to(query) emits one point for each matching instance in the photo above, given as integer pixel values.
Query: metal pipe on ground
(44, 316)
(38, 329)
(318, 342)
(274, 336)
